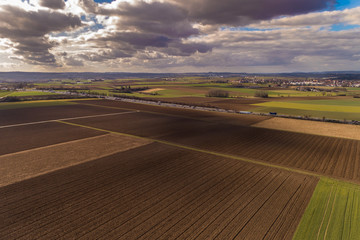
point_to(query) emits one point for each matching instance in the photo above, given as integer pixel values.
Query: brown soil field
(238, 119)
(335, 157)
(145, 124)
(21, 138)
(156, 192)
(25, 115)
(312, 127)
(23, 165)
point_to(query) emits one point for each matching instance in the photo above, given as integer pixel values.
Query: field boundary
(247, 160)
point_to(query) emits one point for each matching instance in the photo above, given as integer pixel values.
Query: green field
(309, 113)
(29, 93)
(333, 212)
(4, 93)
(338, 102)
(341, 109)
(312, 107)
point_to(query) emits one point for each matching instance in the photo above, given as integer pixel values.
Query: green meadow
(333, 212)
(312, 107)
(4, 93)
(29, 93)
(348, 108)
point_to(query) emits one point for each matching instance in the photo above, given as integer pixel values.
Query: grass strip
(333, 212)
(312, 107)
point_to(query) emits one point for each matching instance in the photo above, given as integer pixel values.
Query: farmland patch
(336, 157)
(310, 113)
(311, 127)
(27, 164)
(156, 192)
(312, 107)
(25, 115)
(32, 104)
(333, 212)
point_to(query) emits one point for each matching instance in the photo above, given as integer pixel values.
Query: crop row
(156, 191)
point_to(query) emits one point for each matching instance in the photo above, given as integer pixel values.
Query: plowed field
(330, 156)
(156, 192)
(188, 175)
(312, 127)
(25, 115)
(27, 164)
(22, 138)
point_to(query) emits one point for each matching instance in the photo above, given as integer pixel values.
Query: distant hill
(43, 77)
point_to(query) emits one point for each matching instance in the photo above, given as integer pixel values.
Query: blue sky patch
(341, 27)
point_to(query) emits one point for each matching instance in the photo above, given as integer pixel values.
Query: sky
(179, 35)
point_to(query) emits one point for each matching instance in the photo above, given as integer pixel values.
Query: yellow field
(311, 127)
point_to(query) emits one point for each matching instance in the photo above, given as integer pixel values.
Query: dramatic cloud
(54, 4)
(347, 16)
(161, 18)
(142, 26)
(28, 29)
(242, 12)
(179, 35)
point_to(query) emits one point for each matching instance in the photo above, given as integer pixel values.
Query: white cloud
(327, 18)
(143, 36)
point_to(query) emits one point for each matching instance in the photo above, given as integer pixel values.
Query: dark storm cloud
(166, 25)
(27, 31)
(53, 4)
(127, 44)
(35, 50)
(242, 12)
(138, 40)
(156, 17)
(187, 49)
(142, 25)
(103, 55)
